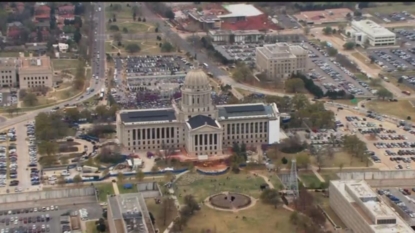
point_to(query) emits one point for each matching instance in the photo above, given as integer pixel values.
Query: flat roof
(281, 50)
(371, 28)
(351, 189)
(324, 16)
(240, 10)
(8, 62)
(234, 111)
(35, 63)
(148, 115)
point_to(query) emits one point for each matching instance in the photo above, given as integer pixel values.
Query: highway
(98, 67)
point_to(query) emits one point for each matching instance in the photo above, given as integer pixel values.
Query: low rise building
(367, 31)
(128, 213)
(35, 72)
(361, 209)
(280, 60)
(229, 36)
(8, 72)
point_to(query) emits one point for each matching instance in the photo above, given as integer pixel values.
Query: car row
(389, 145)
(398, 202)
(392, 137)
(30, 210)
(27, 229)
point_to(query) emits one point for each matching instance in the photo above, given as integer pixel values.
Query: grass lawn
(329, 174)
(309, 179)
(9, 54)
(124, 13)
(123, 190)
(402, 86)
(104, 190)
(61, 64)
(260, 218)
(149, 47)
(389, 9)
(342, 158)
(401, 109)
(348, 102)
(91, 227)
(365, 60)
(203, 186)
(41, 100)
(157, 211)
(131, 26)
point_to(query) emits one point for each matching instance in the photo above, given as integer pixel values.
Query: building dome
(196, 80)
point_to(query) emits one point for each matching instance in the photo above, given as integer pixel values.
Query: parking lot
(8, 98)
(395, 17)
(330, 75)
(51, 218)
(404, 199)
(239, 52)
(394, 59)
(155, 65)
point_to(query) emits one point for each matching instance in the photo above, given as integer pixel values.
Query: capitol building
(195, 125)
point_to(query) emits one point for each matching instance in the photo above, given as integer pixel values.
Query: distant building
(339, 15)
(35, 72)
(66, 10)
(8, 72)
(280, 60)
(206, 22)
(41, 13)
(361, 209)
(128, 213)
(367, 30)
(229, 36)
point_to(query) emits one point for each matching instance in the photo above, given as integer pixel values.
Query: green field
(104, 189)
(61, 64)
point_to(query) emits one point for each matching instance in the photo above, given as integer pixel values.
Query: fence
(43, 195)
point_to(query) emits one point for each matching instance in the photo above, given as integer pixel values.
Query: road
(97, 68)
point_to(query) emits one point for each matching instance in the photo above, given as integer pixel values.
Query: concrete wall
(149, 189)
(43, 195)
(382, 178)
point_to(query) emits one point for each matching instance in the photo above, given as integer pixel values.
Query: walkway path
(115, 187)
(315, 171)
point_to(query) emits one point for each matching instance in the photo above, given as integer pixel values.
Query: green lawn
(9, 54)
(124, 13)
(121, 188)
(203, 186)
(157, 211)
(104, 190)
(310, 180)
(390, 8)
(61, 64)
(131, 26)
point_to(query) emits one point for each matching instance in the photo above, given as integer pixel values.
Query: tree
(167, 47)
(355, 147)
(327, 30)
(125, 30)
(169, 14)
(139, 175)
(331, 51)
(168, 208)
(77, 179)
(48, 148)
(303, 160)
(114, 28)
(306, 30)
(384, 93)
(284, 160)
(30, 99)
(242, 73)
(294, 85)
(22, 93)
(101, 227)
(190, 201)
(118, 37)
(270, 196)
(120, 177)
(349, 45)
(77, 36)
(61, 180)
(132, 48)
(72, 114)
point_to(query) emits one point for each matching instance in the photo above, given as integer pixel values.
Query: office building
(367, 31)
(195, 125)
(280, 60)
(128, 213)
(8, 72)
(35, 72)
(362, 210)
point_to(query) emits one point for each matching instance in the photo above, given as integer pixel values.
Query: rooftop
(325, 16)
(280, 50)
(129, 208)
(150, 115)
(259, 22)
(365, 201)
(8, 62)
(201, 120)
(240, 10)
(234, 32)
(234, 111)
(35, 63)
(371, 28)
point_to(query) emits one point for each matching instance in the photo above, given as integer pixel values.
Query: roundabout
(230, 201)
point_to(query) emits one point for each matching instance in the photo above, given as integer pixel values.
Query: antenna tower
(293, 181)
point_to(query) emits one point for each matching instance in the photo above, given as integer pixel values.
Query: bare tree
(168, 210)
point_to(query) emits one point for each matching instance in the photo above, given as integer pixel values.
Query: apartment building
(280, 60)
(359, 207)
(8, 72)
(35, 72)
(367, 30)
